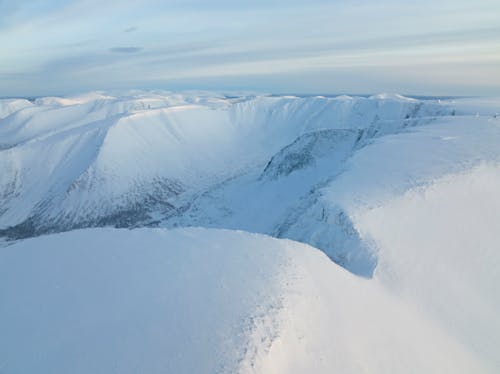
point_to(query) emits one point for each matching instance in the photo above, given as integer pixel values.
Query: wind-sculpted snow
(439, 245)
(205, 301)
(149, 301)
(259, 163)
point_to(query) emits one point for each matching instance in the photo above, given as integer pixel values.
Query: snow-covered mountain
(257, 163)
(400, 192)
(221, 301)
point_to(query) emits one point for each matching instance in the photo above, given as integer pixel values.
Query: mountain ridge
(153, 159)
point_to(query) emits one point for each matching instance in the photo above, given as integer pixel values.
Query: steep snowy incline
(438, 267)
(50, 115)
(97, 159)
(106, 300)
(201, 300)
(440, 247)
(312, 189)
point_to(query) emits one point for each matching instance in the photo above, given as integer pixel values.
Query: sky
(426, 47)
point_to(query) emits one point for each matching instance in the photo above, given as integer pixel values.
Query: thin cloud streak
(126, 49)
(69, 44)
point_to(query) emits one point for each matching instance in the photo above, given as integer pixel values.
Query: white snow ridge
(157, 232)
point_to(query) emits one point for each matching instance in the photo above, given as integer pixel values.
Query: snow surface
(198, 300)
(102, 301)
(401, 193)
(87, 160)
(440, 246)
(9, 106)
(203, 159)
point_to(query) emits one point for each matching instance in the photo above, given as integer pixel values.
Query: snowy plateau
(160, 232)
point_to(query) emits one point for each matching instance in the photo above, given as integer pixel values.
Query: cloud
(126, 49)
(228, 41)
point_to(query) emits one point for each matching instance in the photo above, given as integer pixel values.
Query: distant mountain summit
(258, 163)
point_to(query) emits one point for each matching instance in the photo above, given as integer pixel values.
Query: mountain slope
(143, 158)
(274, 165)
(312, 189)
(401, 193)
(197, 300)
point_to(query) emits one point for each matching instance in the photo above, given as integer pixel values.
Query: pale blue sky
(436, 47)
